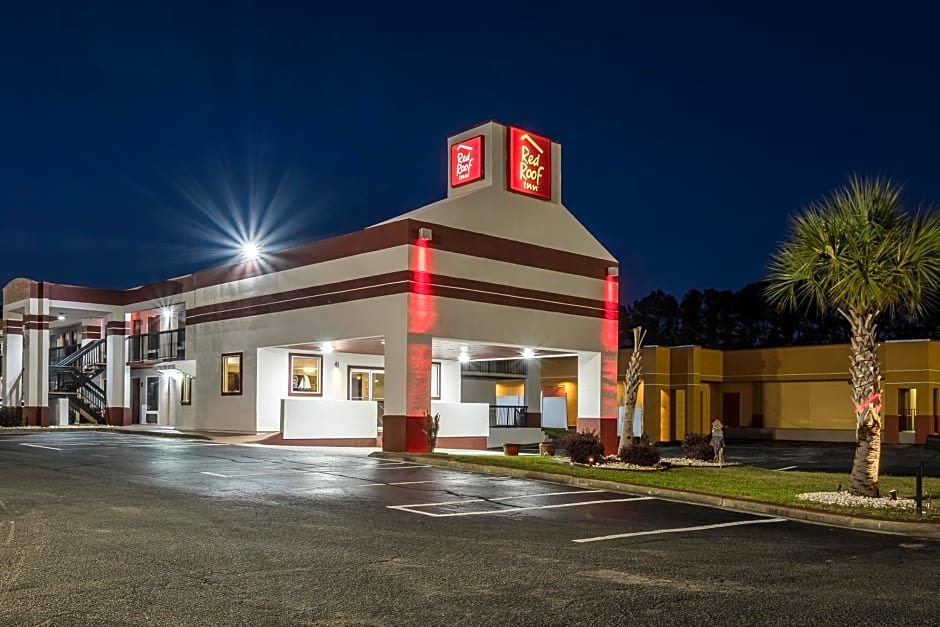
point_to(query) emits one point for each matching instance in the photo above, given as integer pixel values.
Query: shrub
(11, 417)
(640, 453)
(432, 425)
(697, 446)
(584, 448)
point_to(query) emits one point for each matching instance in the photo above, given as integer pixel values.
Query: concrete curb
(922, 530)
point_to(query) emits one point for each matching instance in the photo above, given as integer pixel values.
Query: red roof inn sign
(466, 161)
(529, 159)
(530, 163)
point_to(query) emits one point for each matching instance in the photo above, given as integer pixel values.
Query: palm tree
(860, 252)
(632, 383)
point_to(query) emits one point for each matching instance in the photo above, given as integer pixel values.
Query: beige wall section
(347, 268)
(501, 213)
(792, 363)
(808, 405)
(208, 341)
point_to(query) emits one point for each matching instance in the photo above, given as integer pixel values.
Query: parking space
(332, 477)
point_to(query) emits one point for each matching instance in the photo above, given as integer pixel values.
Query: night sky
(135, 139)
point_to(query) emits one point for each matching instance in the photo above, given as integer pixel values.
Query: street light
(251, 251)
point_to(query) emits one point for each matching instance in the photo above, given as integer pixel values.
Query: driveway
(108, 529)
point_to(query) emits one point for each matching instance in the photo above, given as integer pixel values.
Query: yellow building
(792, 393)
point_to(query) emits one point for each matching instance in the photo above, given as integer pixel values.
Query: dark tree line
(743, 319)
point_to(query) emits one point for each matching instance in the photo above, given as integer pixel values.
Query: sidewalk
(151, 430)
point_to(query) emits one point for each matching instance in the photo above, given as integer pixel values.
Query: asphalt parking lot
(99, 528)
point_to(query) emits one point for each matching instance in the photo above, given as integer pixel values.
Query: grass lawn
(745, 482)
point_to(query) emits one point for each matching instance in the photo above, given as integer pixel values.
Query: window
(231, 374)
(435, 381)
(366, 384)
(305, 371)
(186, 391)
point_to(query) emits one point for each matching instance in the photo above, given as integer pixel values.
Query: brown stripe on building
(116, 327)
(383, 236)
(397, 283)
(332, 298)
(91, 332)
(511, 251)
(13, 327)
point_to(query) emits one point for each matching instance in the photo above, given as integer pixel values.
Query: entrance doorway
(135, 400)
(731, 409)
(152, 413)
(368, 384)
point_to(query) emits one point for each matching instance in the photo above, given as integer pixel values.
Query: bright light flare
(251, 251)
(528, 353)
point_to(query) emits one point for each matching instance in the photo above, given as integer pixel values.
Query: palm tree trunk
(866, 383)
(632, 384)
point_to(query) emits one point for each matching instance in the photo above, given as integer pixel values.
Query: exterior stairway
(76, 377)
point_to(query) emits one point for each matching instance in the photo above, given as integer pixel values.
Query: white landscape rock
(847, 500)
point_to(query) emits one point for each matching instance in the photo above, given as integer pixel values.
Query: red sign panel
(466, 161)
(530, 163)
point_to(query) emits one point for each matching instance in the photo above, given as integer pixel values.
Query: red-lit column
(597, 397)
(597, 375)
(407, 391)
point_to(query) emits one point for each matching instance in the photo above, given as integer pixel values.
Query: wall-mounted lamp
(425, 233)
(61, 316)
(613, 271)
(336, 364)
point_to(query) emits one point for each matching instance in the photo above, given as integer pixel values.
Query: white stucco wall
(324, 418)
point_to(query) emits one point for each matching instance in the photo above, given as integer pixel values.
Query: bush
(11, 417)
(640, 453)
(698, 446)
(584, 448)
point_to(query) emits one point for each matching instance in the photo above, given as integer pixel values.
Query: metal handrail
(163, 345)
(508, 415)
(93, 350)
(58, 353)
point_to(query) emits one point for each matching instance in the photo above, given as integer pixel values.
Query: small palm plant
(860, 252)
(632, 382)
(432, 424)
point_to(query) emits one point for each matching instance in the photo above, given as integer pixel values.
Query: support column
(36, 363)
(117, 374)
(91, 331)
(597, 397)
(12, 391)
(407, 391)
(533, 393)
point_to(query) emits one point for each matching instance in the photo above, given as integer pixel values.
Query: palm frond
(858, 249)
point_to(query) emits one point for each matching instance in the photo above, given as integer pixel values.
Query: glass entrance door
(366, 384)
(152, 413)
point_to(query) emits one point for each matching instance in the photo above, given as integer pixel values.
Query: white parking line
(415, 508)
(501, 498)
(520, 509)
(787, 468)
(51, 448)
(411, 482)
(405, 467)
(215, 474)
(654, 532)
